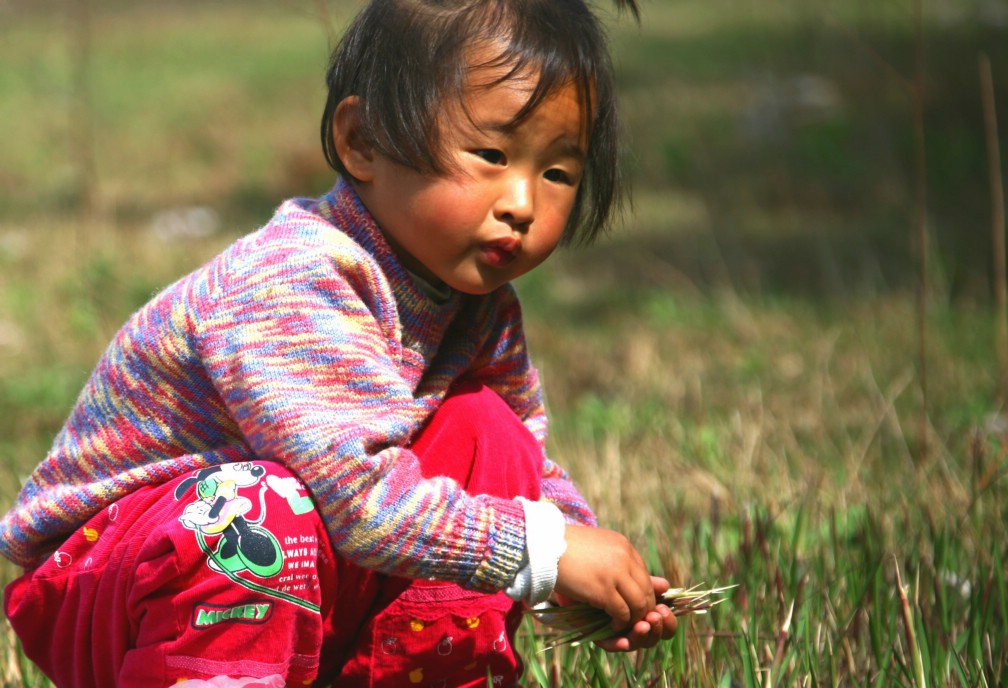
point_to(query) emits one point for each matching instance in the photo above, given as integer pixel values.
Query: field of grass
(734, 376)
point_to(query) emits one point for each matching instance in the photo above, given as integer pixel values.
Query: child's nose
(515, 204)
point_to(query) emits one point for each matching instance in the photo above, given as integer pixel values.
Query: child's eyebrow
(574, 150)
(503, 127)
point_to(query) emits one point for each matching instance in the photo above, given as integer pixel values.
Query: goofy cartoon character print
(219, 511)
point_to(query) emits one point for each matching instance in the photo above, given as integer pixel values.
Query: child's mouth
(500, 253)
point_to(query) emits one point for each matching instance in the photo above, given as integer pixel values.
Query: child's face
(504, 205)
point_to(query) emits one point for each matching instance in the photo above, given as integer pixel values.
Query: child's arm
(559, 489)
(601, 568)
(503, 364)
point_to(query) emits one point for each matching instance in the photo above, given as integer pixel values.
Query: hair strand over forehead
(407, 60)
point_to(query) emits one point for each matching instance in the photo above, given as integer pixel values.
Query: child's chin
(479, 290)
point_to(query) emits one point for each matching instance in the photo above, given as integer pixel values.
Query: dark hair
(405, 59)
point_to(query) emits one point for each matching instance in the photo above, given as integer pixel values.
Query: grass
(775, 446)
(732, 376)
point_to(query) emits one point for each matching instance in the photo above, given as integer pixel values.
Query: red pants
(229, 572)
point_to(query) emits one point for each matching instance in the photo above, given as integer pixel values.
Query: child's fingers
(657, 625)
(617, 644)
(636, 603)
(660, 585)
(645, 633)
(669, 623)
(620, 612)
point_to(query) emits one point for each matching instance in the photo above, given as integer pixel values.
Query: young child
(319, 459)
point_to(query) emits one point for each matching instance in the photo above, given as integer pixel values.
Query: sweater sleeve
(504, 365)
(307, 367)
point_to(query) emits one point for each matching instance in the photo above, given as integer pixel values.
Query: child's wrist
(544, 545)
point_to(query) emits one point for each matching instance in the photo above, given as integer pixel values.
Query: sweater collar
(344, 209)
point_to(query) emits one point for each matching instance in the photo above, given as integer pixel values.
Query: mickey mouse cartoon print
(220, 512)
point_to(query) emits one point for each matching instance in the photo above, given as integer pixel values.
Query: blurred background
(773, 241)
(801, 307)
(771, 143)
(763, 295)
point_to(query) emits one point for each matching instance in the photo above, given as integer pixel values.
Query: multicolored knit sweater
(305, 343)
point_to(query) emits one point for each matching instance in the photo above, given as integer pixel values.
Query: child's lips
(501, 252)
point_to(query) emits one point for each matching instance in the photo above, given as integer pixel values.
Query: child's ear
(354, 150)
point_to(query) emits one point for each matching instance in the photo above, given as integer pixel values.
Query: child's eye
(558, 177)
(494, 157)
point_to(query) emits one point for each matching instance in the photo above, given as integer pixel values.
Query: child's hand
(657, 625)
(602, 568)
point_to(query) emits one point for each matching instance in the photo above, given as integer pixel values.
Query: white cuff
(544, 545)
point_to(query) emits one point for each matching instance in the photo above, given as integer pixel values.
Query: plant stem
(997, 220)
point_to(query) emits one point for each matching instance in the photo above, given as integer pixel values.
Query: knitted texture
(304, 343)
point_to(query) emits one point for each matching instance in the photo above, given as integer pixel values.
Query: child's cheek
(457, 208)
